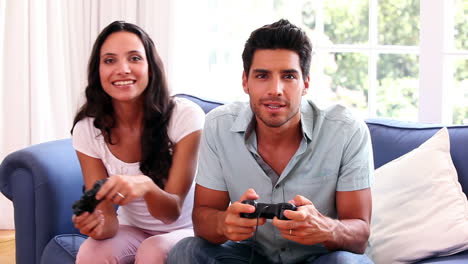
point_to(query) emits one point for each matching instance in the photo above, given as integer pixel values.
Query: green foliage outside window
(397, 94)
(460, 109)
(398, 22)
(347, 22)
(461, 24)
(349, 79)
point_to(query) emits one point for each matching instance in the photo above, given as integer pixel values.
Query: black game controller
(88, 201)
(268, 210)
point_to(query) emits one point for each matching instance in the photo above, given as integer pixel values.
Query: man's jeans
(198, 250)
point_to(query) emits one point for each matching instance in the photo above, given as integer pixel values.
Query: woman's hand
(103, 222)
(121, 189)
(90, 224)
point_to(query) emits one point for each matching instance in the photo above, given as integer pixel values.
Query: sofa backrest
(206, 105)
(392, 139)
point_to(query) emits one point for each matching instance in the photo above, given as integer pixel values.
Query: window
(457, 60)
(404, 59)
(363, 59)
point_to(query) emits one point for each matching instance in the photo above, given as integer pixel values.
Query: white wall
(6, 207)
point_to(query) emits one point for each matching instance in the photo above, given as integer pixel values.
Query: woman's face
(123, 67)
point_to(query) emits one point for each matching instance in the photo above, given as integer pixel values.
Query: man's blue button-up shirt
(335, 154)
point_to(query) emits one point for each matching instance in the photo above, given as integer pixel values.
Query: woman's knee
(101, 251)
(155, 249)
(151, 251)
(92, 250)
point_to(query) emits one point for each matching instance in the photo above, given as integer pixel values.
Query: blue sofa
(44, 180)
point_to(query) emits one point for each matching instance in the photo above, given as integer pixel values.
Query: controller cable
(254, 240)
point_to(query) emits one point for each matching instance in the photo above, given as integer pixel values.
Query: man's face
(275, 86)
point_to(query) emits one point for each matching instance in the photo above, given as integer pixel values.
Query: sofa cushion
(419, 209)
(393, 138)
(62, 249)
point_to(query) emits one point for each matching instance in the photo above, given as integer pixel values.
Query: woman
(146, 143)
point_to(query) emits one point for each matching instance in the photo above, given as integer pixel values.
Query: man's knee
(187, 250)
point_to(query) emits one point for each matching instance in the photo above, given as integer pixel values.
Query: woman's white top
(186, 118)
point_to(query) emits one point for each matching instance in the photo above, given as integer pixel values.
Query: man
(280, 150)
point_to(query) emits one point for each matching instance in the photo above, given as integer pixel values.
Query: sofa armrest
(42, 181)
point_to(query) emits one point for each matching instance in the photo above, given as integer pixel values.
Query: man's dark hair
(279, 35)
(156, 147)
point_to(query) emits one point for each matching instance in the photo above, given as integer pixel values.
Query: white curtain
(44, 46)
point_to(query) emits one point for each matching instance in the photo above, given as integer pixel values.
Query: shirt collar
(308, 112)
(243, 120)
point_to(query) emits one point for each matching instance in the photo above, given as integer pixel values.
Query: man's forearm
(350, 235)
(207, 223)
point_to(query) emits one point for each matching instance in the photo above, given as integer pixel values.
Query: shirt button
(277, 186)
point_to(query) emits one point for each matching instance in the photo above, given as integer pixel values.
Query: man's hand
(306, 225)
(234, 227)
